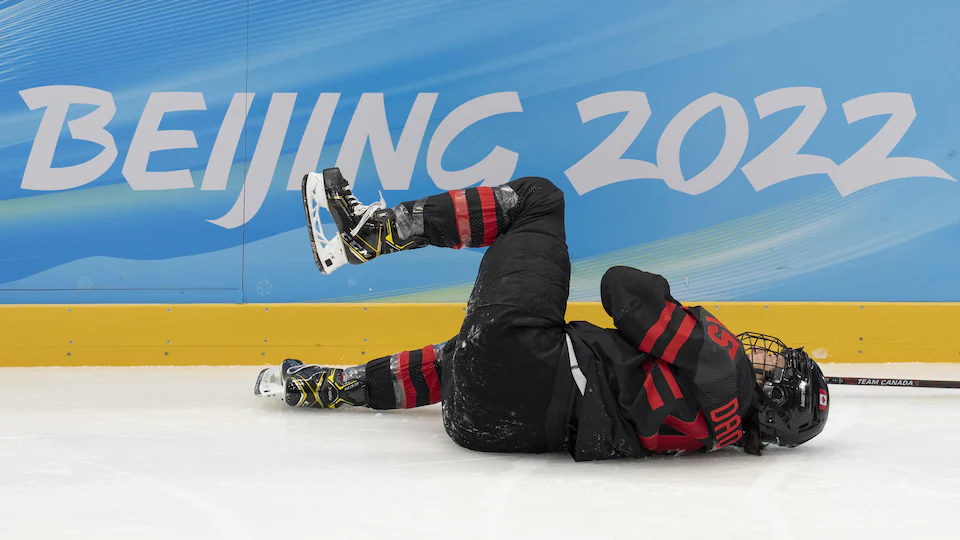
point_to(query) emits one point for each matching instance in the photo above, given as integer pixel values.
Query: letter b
(40, 174)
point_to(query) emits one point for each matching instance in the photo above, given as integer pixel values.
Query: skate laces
(293, 370)
(348, 374)
(353, 202)
(365, 212)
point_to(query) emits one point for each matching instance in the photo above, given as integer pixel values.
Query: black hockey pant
(504, 380)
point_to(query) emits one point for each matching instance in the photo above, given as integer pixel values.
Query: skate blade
(328, 254)
(269, 383)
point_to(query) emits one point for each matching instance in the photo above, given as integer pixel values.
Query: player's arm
(648, 316)
(702, 350)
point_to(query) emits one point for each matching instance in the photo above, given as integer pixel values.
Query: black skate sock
(471, 217)
(405, 380)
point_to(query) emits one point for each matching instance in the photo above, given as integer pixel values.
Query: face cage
(783, 373)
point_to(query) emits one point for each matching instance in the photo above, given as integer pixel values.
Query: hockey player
(518, 378)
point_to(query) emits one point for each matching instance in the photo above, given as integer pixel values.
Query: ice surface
(141, 453)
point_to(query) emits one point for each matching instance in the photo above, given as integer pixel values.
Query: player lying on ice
(518, 378)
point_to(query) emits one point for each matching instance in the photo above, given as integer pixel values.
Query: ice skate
(364, 232)
(308, 385)
(269, 383)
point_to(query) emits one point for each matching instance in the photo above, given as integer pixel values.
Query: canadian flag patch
(823, 400)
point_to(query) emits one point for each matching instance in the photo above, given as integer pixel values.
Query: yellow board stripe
(344, 334)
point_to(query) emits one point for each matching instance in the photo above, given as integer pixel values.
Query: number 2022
(780, 161)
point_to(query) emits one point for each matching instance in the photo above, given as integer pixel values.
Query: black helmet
(793, 400)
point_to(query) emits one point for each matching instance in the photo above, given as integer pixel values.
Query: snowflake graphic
(264, 287)
(84, 283)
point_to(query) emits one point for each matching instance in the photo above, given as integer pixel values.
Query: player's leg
(472, 217)
(525, 280)
(507, 386)
(402, 381)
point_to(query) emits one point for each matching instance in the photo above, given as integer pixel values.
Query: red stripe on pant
(655, 331)
(463, 217)
(430, 373)
(488, 207)
(403, 375)
(686, 327)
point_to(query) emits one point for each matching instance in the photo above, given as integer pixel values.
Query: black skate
(363, 232)
(308, 385)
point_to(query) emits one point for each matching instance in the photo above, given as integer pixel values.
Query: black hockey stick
(912, 383)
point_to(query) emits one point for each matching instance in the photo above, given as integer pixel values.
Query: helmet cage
(783, 377)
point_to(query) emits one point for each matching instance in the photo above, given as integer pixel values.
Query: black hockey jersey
(668, 378)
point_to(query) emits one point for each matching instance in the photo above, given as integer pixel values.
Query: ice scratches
(226, 524)
(502, 493)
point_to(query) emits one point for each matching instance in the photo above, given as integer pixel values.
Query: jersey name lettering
(727, 424)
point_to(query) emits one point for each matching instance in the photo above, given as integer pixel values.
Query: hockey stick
(913, 383)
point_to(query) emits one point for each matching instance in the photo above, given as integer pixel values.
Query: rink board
(254, 334)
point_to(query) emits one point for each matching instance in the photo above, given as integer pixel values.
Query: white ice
(142, 453)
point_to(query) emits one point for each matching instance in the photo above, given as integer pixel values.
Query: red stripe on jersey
(403, 374)
(430, 373)
(696, 429)
(463, 217)
(694, 433)
(686, 327)
(671, 380)
(650, 443)
(679, 442)
(653, 396)
(488, 207)
(667, 443)
(655, 331)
